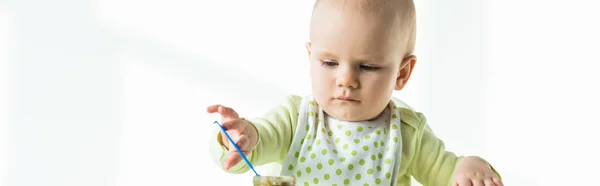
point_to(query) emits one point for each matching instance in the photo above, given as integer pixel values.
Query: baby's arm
(432, 164)
(275, 133)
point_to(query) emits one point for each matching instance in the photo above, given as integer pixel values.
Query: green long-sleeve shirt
(424, 156)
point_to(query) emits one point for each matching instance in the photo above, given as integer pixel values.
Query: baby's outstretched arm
(274, 133)
(434, 165)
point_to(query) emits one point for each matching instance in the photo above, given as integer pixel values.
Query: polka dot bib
(327, 151)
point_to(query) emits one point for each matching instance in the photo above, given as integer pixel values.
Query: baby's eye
(369, 68)
(328, 63)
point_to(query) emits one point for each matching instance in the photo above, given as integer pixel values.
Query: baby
(351, 131)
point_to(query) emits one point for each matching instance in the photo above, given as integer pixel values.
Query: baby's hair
(404, 9)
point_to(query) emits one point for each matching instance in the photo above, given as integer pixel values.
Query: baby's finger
(497, 181)
(227, 112)
(464, 182)
(234, 156)
(477, 182)
(233, 159)
(233, 126)
(489, 182)
(212, 108)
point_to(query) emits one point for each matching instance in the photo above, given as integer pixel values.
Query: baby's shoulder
(409, 116)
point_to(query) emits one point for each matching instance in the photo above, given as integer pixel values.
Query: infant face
(355, 61)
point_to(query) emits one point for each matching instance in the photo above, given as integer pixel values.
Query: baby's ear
(406, 67)
(307, 47)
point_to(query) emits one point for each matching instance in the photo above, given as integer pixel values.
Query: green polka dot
(298, 173)
(373, 157)
(346, 181)
(345, 146)
(323, 130)
(381, 143)
(330, 162)
(366, 184)
(308, 136)
(361, 162)
(307, 127)
(313, 156)
(337, 140)
(334, 151)
(323, 151)
(396, 139)
(378, 181)
(312, 103)
(334, 184)
(367, 137)
(369, 171)
(316, 181)
(326, 176)
(357, 141)
(318, 121)
(330, 133)
(348, 133)
(318, 142)
(338, 172)
(357, 176)
(328, 142)
(350, 167)
(354, 153)
(359, 129)
(376, 132)
(394, 116)
(388, 175)
(306, 184)
(387, 148)
(310, 148)
(394, 126)
(379, 155)
(296, 154)
(308, 170)
(302, 159)
(311, 113)
(378, 168)
(290, 167)
(388, 161)
(375, 144)
(384, 131)
(302, 142)
(342, 159)
(319, 166)
(339, 126)
(365, 148)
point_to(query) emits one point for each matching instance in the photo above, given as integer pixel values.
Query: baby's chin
(347, 114)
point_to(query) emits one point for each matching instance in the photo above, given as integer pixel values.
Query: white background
(113, 92)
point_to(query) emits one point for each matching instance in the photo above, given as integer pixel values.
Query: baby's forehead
(392, 18)
(396, 12)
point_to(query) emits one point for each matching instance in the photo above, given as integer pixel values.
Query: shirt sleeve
(433, 165)
(275, 133)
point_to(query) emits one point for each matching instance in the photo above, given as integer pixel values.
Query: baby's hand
(241, 131)
(474, 171)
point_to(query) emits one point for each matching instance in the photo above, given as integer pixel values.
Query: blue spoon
(237, 148)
